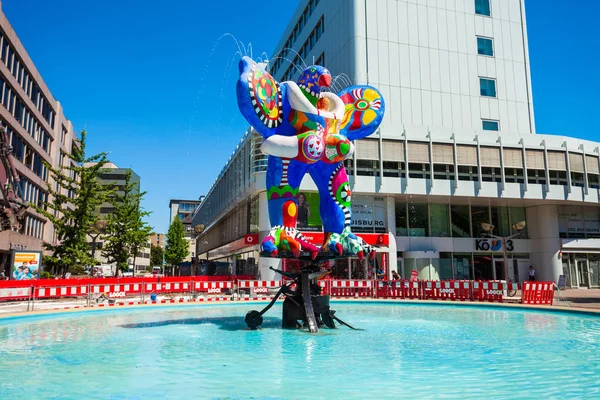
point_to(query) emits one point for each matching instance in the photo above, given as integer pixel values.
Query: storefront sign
(579, 220)
(368, 212)
(251, 238)
(493, 245)
(374, 239)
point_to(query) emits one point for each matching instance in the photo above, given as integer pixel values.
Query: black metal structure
(304, 306)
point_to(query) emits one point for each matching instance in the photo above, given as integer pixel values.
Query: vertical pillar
(542, 225)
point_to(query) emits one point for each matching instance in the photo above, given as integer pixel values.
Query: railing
(147, 290)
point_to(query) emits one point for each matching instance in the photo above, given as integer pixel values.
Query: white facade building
(457, 148)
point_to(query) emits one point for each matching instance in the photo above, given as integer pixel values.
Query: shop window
(443, 266)
(558, 177)
(393, 169)
(418, 221)
(501, 221)
(514, 175)
(479, 215)
(367, 167)
(443, 171)
(577, 179)
(418, 170)
(467, 173)
(401, 220)
(537, 176)
(490, 174)
(461, 265)
(461, 225)
(482, 266)
(518, 214)
(593, 181)
(439, 220)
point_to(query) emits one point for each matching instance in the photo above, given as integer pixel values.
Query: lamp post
(519, 226)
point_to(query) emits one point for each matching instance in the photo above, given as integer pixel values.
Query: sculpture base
(304, 306)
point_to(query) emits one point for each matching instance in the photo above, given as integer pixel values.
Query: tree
(176, 248)
(72, 208)
(125, 230)
(157, 256)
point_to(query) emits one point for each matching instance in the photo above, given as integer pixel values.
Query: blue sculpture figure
(306, 130)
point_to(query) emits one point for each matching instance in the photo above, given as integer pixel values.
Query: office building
(184, 210)
(37, 131)
(457, 157)
(115, 177)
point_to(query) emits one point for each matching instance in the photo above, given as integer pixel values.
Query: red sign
(374, 239)
(251, 239)
(260, 290)
(414, 275)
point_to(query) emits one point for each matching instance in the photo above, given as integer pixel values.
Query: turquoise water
(405, 351)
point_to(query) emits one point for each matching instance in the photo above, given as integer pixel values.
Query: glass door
(582, 273)
(499, 269)
(594, 266)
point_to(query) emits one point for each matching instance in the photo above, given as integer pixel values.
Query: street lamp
(519, 226)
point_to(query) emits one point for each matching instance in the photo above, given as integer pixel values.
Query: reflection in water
(225, 323)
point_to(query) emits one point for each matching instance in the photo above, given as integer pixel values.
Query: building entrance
(582, 273)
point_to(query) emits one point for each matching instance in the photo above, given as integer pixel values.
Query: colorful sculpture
(306, 130)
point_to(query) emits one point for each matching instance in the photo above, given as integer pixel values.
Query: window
(487, 87)
(479, 215)
(418, 224)
(401, 220)
(489, 125)
(482, 7)
(439, 220)
(461, 223)
(485, 46)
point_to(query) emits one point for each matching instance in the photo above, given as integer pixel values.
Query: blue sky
(153, 84)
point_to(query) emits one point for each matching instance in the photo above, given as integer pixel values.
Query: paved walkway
(584, 298)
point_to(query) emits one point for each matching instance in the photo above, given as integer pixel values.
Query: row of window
(396, 169)
(33, 227)
(459, 221)
(280, 59)
(18, 70)
(24, 153)
(310, 43)
(21, 112)
(32, 193)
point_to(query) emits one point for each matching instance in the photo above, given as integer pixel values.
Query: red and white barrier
(351, 288)
(447, 290)
(262, 284)
(538, 293)
(60, 291)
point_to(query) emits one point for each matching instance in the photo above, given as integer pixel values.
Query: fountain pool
(204, 351)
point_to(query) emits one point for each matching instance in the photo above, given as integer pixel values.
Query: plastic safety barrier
(538, 293)
(447, 290)
(351, 288)
(401, 289)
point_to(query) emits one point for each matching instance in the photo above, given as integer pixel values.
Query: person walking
(531, 274)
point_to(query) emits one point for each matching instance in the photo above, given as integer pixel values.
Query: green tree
(157, 255)
(176, 248)
(126, 231)
(72, 208)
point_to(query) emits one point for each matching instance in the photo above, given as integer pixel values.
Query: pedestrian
(395, 276)
(531, 274)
